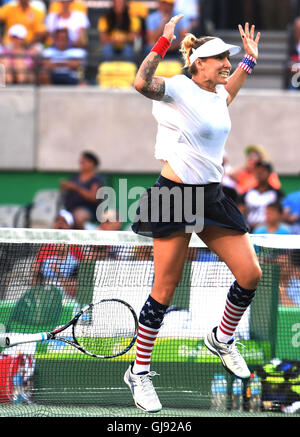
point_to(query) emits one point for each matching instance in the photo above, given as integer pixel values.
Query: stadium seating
(12, 216)
(169, 68)
(116, 74)
(44, 208)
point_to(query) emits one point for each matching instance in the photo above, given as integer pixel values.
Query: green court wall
(19, 187)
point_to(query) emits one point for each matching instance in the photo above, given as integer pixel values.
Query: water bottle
(237, 394)
(255, 393)
(17, 389)
(219, 393)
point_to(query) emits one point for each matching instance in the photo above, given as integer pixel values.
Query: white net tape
(116, 238)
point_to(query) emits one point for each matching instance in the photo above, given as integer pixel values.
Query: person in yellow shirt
(118, 31)
(75, 5)
(138, 9)
(21, 12)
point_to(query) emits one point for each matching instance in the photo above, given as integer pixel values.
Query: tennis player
(193, 125)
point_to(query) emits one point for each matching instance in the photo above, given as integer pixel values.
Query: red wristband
(161, 47)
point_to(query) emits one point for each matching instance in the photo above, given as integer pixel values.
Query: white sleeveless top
(193, 126)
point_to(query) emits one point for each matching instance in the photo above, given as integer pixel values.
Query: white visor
(213, 47)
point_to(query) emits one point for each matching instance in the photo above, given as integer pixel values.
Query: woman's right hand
(146, 83)
(169, 29)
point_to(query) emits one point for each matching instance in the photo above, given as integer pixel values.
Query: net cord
(116, 238)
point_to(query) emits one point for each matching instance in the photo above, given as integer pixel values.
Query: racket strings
(106, 329)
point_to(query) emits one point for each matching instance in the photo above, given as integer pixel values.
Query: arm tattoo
(154, 87)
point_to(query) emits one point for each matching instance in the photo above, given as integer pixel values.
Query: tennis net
(46, 276)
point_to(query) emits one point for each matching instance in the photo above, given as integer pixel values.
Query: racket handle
(13, 339)
(3, 341)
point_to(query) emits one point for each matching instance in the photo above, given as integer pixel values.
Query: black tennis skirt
(169, 206)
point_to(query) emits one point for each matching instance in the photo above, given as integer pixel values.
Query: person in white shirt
(193, 125)
(76, 22)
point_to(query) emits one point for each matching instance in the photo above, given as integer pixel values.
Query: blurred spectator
(64, 220)
(62, 64)
(294, 64)
(190, 9)
(22, 12)
(296, 45)
(17, 58)
(155, 24)
(80, 192)
(57, 264)
(291, 205)
(274, 221)
(289, 286)
(138, 9)
(74, 20)
(290, 296)
(245, 177)
(253, 203)
(118, 31)
(141, 11)
(75, 5)
(110, 221)
(38, 4)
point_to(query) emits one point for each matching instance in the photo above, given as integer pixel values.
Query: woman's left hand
(250, 44)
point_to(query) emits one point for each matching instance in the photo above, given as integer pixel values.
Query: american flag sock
(150, 321)
(238, 300)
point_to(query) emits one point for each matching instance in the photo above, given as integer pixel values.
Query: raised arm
(145, 82)
(238, 78)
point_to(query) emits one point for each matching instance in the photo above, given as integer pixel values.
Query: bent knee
(165, 289)
(250, 279)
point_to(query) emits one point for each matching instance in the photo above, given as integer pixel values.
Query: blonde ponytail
(189, 43)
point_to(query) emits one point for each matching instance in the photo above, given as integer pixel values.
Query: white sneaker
(229, 354)
(143, 392)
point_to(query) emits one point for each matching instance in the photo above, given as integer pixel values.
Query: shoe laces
(235, 353)
(146, 383)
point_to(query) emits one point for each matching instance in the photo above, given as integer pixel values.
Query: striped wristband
(248, 63)
(161, 47)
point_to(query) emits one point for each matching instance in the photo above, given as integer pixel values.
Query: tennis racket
(105, 329)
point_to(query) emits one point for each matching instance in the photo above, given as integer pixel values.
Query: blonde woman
(193, 125)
